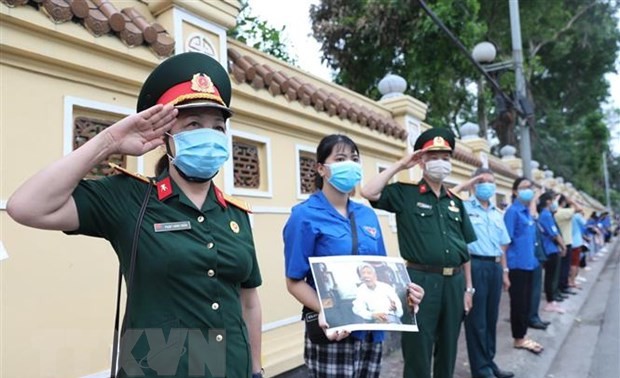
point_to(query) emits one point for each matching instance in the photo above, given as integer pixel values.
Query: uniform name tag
(172, 226)
(423, 205)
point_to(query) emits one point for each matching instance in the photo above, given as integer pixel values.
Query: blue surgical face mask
(199, 154)
(344, 175)
(525, 195)
(485, 190)
(554, 206)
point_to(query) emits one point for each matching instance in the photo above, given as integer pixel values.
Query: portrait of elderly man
(376, 301)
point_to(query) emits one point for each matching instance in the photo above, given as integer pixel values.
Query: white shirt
(381, 299)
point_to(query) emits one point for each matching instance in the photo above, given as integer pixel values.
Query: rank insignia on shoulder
(224, 199)
(126, 172)
(450, 194)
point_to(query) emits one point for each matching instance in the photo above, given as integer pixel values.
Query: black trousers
(551, 277)
(565, 267)
(520, 300)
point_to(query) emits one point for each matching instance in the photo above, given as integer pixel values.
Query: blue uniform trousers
(481, 322)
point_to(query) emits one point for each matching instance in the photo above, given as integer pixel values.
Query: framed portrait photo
(364, 293)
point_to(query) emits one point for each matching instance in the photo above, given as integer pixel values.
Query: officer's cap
(435, 139)
(187, 80)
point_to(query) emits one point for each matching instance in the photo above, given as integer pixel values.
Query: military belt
(444, 271)
(487, 258)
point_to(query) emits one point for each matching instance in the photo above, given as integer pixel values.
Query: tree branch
(567, 27)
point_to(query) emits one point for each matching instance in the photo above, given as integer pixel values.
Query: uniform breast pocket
(477, 221)
(334, 240)
(422, 218)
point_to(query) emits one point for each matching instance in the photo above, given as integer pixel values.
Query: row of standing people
(197, 266)
(186, 249)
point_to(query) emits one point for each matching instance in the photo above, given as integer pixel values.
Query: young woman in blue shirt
(322, 226)
(521, 261)
(553, 245)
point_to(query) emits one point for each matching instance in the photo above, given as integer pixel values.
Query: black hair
(562, 201)
(326, 147)
(542, 201)
(162, 165)
(515, 186)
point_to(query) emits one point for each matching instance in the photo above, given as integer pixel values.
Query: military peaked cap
(187, 80)
(435, 139)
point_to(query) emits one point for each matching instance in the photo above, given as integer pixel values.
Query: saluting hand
(140, 133)
(411, 160)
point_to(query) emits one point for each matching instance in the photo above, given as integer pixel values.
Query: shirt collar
(476, 202)
(520, 206)
(210, 203)
(320, 202)
(425, 188)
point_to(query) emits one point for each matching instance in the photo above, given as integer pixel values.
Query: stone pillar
(198, 25)
(508, 156)
(406, 111)
(479, 146)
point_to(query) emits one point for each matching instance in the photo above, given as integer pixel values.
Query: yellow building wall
(57, 292)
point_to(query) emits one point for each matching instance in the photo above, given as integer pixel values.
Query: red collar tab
(423, 188)
(164, 189)
(219, 197)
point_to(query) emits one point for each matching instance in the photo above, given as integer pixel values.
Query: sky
(294, 16)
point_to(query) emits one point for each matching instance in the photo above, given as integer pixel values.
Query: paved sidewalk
(523, 363)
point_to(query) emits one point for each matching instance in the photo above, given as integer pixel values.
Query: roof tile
(100, 17)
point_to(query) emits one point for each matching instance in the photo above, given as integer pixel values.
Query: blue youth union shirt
(316, 229)
(549, 232)
(522, 231)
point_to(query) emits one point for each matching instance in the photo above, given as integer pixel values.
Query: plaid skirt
(350, 358)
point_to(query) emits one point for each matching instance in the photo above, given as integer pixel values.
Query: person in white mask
(433, 232)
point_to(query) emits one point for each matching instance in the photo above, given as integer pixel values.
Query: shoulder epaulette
(454, 194)
(241, 204)
(124, 171)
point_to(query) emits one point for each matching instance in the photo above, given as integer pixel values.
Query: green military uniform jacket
(431, 231)
(185, 317)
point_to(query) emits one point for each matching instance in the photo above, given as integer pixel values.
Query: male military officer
(489, 271)
(433, 232)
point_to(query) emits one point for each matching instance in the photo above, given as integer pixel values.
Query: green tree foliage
(257, 33)
(568, 47)
(365, 40)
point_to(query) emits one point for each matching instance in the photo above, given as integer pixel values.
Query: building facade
(70, 68)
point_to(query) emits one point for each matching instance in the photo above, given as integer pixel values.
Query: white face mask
(438, 170)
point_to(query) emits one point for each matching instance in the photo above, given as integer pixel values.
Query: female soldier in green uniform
(193, 306)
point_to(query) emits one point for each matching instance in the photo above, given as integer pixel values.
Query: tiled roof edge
(101, 17)
(244, 69)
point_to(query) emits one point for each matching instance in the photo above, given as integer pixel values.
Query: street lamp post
(517, 56)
